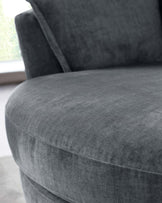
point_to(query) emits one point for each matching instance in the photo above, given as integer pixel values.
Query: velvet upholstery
(37, 55)
(97, 34)
(91, 136)
(34, 193)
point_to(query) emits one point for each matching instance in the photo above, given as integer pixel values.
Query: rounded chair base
(34, 193)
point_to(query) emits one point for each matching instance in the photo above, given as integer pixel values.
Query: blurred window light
(11, 8)
(9, 48)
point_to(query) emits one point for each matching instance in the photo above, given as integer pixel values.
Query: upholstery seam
(80, 155)
(50, 38)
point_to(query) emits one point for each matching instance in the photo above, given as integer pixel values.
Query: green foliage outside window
(9, 48)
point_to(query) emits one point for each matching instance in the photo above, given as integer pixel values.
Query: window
(10, 57)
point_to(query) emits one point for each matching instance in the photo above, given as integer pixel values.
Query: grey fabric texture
(37, 55)
(53, 42)
(97, 34)
(91, 136)
(34, 193)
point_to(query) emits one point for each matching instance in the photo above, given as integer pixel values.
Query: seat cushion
(91, 136)
(96, 34)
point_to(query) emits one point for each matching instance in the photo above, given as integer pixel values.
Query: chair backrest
(97, 34)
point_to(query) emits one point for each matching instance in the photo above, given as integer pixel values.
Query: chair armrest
(38, 57)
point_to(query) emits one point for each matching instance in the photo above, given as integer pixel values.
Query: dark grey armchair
(89, 135)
